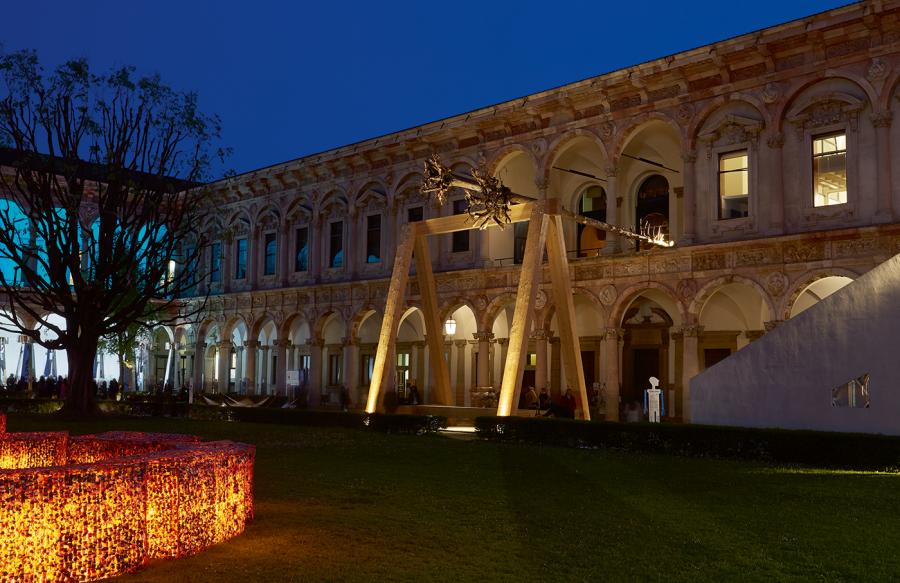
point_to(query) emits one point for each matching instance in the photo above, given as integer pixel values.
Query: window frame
(266, 238)
(297, 247)
(719, 172)
(456, 236)
(331, 254)
(380, 236)
(237, 258)
(215, 262)
(813, 136)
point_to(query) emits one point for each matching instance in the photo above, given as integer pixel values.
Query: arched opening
(507, 246)
(298, 358)
(333, 334)
(818, 291)
(590, 326)
(409, 350)
(267, 360)
(463, 356)
(650, 349)
(591, 204)
(734, 315)
(652, 208)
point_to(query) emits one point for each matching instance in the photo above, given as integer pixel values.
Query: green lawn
(346, 505)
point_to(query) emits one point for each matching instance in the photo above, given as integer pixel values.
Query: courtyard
(348, 505)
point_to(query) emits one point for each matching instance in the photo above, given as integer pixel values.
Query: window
(335, 362)
(734, 185)
(373, 239)
(520, 236)
(415, 214)
(271, 247)
(830, 169)
(460, 241)
(367, 369)
(215, 262)
(301, 257)
(240, 259)
(336, 249)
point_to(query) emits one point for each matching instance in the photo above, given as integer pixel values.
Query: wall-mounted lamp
(450, 327)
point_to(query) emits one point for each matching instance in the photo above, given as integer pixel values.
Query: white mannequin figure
(654, 406)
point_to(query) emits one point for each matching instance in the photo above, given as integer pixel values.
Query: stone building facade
(768, 157)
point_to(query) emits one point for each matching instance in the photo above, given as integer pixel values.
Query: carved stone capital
(483, 336)
(882, 119)
(772, 324)
(775, 141)
(615, 333)
(502, 341)
(540, 334)
(691, 331)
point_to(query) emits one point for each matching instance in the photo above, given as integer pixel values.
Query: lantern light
(450, 327)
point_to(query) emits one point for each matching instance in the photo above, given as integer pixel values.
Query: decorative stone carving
(882, 119)
(608, 295)
(775, 140)
(481, 302)
(686, 289)
(878, 70)
(539, 147)
(540, 299)
(684, 113)
(692, 331)
(607, 130)
(776, 283)
(771, 93)
(801, 252)
(708, 261)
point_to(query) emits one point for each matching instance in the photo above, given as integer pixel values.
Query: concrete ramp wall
(785, 379)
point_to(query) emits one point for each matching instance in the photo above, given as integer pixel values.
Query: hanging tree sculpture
(491, 204)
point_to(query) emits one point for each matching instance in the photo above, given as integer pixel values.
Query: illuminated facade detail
(650, 144)
(90, 507)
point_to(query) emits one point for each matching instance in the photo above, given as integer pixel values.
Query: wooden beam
(570, 345)
(529, 279)
(453, 223)
(391, 321)
(434, 330)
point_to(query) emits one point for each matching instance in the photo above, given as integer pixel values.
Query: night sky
(291, 79)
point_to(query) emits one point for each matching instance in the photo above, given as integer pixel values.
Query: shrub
(817, 448)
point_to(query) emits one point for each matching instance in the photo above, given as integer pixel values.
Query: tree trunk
(81, 376)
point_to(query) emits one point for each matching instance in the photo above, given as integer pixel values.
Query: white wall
(785, 378)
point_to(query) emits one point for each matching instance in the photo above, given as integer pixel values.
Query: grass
(347, 505)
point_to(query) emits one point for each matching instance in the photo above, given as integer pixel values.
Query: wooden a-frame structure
(544, 232)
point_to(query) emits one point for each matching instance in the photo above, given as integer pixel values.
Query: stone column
(503, 343)
(227, 264)
(315, 236)
(171, 368)
(199, 364)
(420, 364)
(540, 349)
(253, 257)
(612, 211)
(690, 368)
(776, 204)
(285, 267)
(239, 370)
(281, 348)
(614, 337)
(264, 370)
(224, 347)
(689, 229)
(352, 255)
(252, 349)
(483, 374)
(315, 371)
(460, 371)
(884, 208)
(555, 368)
(351, 367)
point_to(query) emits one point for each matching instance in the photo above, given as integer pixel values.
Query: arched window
(591, 204)
(652, 210)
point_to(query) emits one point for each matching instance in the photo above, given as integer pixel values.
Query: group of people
(565, 406)
(58, 387)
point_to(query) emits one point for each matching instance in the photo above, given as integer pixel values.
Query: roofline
(485, 108)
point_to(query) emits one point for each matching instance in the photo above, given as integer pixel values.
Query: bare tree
(100, 205)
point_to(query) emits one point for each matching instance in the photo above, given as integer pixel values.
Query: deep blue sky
(290, 79)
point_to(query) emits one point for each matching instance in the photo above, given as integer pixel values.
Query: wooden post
(529, 279)
(434, 333)
(565, 312)
(391, 321)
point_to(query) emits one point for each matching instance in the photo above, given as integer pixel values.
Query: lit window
(336, 250)
(460, 241)
(301, 258)
(373, 239)
(271, 247)
(215, 262)
(240, 259)
(830, 169)
(734, 185)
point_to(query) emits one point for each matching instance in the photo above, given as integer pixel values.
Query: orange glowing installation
(95, 506)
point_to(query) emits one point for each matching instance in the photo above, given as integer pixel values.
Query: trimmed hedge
(816, 448)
